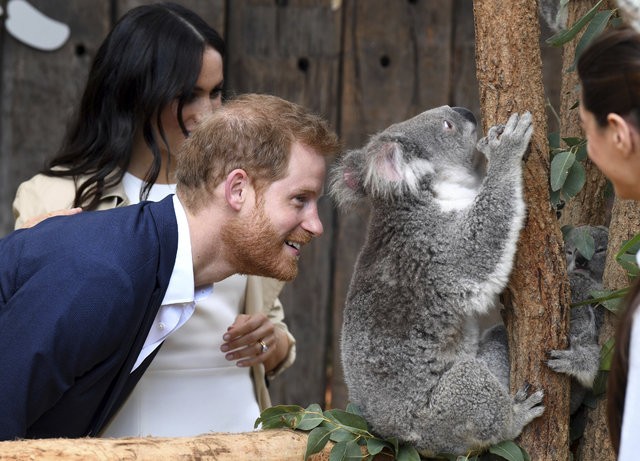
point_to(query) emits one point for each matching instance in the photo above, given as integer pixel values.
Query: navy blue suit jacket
(78, 296)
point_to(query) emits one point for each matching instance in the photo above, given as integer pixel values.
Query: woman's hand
(37, 219)
(252, 339)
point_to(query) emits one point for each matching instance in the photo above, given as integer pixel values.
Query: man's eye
(216, 92)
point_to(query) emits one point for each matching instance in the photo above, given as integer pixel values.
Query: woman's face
(206, 97)
(616, 163)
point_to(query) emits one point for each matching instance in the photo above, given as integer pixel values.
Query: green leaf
(554, 198)
(280, 416)
(316, 441)
(339, 434)
(353, 408)
(574, 181)
(507, 450)
(352, 421)
(631, 246)
(581, 152)
(572, 141)
(408, 453)
(560, 165)
(606, 355)
(375, 446)
(565, 36)
(554, 140)
(584, 242)
(310, 421)
(629, 264)
(595, 28)
(346, 451)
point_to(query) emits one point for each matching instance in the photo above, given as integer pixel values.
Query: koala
(582, 360)
(439, 249)
(554, 13)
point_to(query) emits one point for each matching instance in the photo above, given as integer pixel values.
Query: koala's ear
(345, 179)
(388, 163)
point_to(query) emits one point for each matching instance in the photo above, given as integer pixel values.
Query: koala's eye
(447, 125)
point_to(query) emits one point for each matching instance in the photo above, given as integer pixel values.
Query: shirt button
(161, 326)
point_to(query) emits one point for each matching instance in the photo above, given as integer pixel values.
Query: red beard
(255, 247)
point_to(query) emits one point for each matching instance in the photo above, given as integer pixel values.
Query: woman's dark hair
(152, 56)
(609, 73)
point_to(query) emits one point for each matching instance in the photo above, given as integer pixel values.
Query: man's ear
(622, 133)
(236, 188)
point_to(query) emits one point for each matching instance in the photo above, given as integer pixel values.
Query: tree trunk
(590, 206)
(268, 445)
(509, 72)
(625, 223)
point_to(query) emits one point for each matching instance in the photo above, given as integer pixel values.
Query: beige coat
(43, 194)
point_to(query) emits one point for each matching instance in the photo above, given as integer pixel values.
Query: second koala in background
(582, 360)
(439, 249)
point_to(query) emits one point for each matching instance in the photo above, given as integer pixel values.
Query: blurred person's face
(206, 97)
(615, 150)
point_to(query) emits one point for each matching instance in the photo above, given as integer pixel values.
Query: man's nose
(313, 224)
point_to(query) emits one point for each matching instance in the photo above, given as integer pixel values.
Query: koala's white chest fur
(455, 190)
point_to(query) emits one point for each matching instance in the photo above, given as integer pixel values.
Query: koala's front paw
(582, 363)
(526, 409)
(509, 140)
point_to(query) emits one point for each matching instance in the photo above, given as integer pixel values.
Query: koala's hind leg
(471, 410)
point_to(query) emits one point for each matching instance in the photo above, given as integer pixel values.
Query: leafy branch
(353, 438)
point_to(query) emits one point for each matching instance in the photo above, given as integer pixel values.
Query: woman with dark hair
(609, 72)
(153, 79)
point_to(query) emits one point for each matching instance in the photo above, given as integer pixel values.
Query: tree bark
(625, 223)
(268, 445)
(590, 206)
(509, 72)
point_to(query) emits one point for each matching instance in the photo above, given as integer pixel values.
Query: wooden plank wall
(363, 64)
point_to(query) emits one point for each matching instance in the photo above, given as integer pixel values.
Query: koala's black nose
(466, 113)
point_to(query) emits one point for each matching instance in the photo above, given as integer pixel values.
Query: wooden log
(267, 445)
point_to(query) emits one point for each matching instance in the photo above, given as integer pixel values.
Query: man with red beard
(80, 295)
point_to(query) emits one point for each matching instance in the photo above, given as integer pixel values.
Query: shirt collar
(181, 284)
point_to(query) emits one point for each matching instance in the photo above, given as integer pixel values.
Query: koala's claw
(526, 409)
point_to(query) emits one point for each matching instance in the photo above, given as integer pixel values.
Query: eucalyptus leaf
(375, 446)
(353, 408)
(606, 354)
(344, 418)
(316, 441)
(572, 141)
(560, 165)
(407, 453)
(629, 264)
(339, 434)
(595, 28)
(507, 450)
(280, 416)
(310, 420)
(554, 198)
(554, 140)
(567, 35)
(581, 152)
(583, 242)
(346, 451)
(631, 246)
(574, 181)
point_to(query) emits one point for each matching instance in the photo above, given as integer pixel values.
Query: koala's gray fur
(554, 13)
(582, 360)
(439, 249)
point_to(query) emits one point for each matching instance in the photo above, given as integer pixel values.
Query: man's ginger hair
(252, 132)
